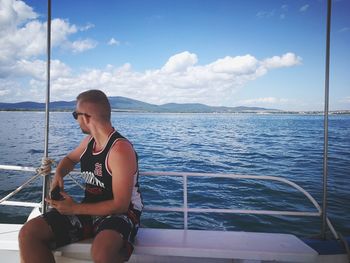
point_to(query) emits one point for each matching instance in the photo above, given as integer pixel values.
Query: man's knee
(106, 247)
(103, 255)
(35, 229)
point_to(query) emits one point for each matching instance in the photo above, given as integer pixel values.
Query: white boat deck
(178, 245)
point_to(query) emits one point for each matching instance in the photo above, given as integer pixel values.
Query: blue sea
(287, 146)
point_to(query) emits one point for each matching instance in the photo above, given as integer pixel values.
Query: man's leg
(106, 247)
(34, 238)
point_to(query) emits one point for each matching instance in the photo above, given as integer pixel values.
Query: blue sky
(266, 53)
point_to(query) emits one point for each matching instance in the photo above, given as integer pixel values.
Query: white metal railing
(185, 209)
(3, 201)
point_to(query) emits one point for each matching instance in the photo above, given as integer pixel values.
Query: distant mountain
(197, 107)
(30, 105)
(125, 104)
(26, 105)
(122, 103)
(188, 107)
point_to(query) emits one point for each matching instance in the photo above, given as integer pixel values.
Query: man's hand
(57, 181)
(66, 206)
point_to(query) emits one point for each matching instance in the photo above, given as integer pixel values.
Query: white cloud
(180, 62)
(14, 13)
(345, 100)
(281, 13)
(265, 14)
(23, 38)
(82, 45)
(113, 42)
(4, 92)
(60, 31)
(304, 8)
(11, 91)
(34, 69)
(344, 29)
(236, 65)
(286, 60)
(180, 80)
(86, 27)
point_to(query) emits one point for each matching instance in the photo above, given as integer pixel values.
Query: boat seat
(209, 245)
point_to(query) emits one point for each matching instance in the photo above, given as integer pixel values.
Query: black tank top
(98, 179)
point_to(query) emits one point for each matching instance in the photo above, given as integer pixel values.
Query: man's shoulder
(85, 141)
(121, 145)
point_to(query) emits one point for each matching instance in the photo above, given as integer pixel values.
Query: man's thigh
(67, 229)
(121, 229)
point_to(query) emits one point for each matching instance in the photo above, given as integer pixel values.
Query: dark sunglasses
(76, 114)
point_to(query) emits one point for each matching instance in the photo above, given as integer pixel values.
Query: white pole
(326, 108)
(185, 202)
(46, 179)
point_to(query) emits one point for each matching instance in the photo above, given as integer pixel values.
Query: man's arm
(67, 164)
(123, 165)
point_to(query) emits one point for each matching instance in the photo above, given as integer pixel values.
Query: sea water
(287, 146)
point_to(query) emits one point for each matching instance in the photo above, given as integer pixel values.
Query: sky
(265, 53)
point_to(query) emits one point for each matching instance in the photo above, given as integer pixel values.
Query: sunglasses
(76, 114)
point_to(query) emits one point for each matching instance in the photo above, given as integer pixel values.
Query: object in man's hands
(55, 194)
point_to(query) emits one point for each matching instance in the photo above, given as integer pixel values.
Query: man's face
(81, 118)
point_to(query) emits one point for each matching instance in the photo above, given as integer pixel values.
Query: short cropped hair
(98, 98)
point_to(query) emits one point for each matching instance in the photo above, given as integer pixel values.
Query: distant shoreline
(337, 112)
(123, 104)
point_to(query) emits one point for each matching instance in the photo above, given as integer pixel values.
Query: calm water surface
(288, 146)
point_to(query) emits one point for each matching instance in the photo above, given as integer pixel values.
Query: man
(111, 209)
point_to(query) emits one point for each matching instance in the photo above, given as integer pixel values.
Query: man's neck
(101, 136)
